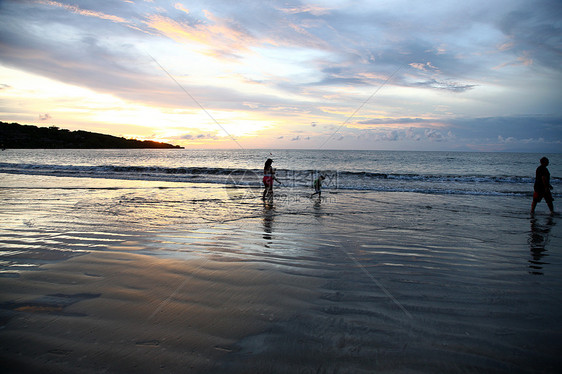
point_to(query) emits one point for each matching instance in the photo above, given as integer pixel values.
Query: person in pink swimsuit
(268, 178)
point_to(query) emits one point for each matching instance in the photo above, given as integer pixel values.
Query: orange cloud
(217, 34)
(177, 31)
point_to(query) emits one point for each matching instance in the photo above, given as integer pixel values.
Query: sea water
(422, 172)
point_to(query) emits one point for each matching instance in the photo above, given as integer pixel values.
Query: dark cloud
(387, 121)
(517, 133)
(517, 127)
(535, 32)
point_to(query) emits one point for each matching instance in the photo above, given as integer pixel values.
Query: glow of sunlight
(67, 105)
(294, 64)
(22, 85)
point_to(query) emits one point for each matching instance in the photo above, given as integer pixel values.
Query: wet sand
(207, 280)
(123, 312)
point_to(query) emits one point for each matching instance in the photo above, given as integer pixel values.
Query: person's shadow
(538, 240)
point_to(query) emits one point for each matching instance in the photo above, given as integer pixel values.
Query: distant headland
(14, 135)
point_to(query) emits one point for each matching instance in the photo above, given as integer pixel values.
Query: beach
(114, 275)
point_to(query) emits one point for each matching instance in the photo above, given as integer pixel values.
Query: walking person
(542, 187)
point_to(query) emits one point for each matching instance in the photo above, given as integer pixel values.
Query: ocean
(505, 174)
(408, 262)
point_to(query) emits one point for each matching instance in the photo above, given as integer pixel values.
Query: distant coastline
(14, 135)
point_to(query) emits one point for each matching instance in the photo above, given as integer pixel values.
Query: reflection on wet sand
(318, 209)
(268, 216)
(538, 240)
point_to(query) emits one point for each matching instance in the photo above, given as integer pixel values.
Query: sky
(381, 75)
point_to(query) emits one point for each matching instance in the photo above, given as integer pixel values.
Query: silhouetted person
(542, 187)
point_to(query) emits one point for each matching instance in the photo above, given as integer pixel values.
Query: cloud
(511, 131)
(83, 12)
(411, 134)
(312, 9)
(445, 85)
(221, 37)
(423, 67)
(180, 6)
(299, 64)
(44, 117)
(389, 136)
(407, 134)
(437, 136)
(534, 34)
(519, 127)
(195, 137)
(509, 139)
(388, 121)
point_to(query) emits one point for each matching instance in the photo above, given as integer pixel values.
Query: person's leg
(266, 189)
(548, 199)
(550, 206)
(270, 188)
(533, 206)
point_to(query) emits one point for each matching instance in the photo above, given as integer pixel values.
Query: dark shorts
(546, 195)
(268, 181)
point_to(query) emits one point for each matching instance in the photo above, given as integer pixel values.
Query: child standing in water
(318, 186)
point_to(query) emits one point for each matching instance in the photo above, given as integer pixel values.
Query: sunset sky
(400, 75)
